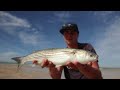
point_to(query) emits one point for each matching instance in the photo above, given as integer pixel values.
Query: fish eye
(91, 55)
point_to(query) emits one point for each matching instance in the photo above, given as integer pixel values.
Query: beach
(9, 71)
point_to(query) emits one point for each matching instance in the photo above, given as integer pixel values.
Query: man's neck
(72, 45)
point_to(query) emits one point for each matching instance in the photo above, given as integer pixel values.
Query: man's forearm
(90, 72)
(56, 73)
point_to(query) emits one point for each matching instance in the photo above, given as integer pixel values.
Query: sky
(22, 32)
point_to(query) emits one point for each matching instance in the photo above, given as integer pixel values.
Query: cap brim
(62, 31)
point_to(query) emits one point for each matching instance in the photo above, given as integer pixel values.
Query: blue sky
(22, 32)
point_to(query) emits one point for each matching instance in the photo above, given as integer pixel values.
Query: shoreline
(9, 71)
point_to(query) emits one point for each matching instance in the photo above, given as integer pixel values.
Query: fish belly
(61, 58)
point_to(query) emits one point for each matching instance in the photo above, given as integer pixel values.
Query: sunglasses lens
(68, 25)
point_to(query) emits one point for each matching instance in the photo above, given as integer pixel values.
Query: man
(74, 70)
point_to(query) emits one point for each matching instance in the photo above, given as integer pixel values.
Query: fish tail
(19, 62)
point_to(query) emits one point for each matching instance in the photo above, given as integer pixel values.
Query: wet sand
(9, 71)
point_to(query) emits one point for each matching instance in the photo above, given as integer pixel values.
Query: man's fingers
(90, 63)
(51, 64)
(79, 65)
(35, 62)
(44, 63)
(47, 63)
(71, 65)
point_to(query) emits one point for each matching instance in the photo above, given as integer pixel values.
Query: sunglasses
(69, 26)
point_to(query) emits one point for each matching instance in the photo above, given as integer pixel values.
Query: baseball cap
(69, 26)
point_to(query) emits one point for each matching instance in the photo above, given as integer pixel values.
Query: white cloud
(12, 24)
(22, 29)
(35, 39)
(108, 45)
(104, 16)
(60, 16)
(6, 56)
(103, 13)
(29, 38)
(9, 20)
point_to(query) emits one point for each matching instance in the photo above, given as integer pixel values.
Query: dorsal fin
(35, 51)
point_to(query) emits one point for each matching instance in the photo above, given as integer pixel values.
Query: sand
(110, 73)
(9, 71)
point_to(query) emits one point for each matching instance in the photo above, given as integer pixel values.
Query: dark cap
(69, 26)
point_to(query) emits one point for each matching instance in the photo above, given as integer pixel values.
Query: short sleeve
(89, 47)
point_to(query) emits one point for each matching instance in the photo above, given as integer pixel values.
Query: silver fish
(58, 56)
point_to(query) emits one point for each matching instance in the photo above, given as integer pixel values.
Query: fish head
(91, 56)
(86, 56)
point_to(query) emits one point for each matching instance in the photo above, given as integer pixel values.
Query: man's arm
(55, 72)
(90, 71)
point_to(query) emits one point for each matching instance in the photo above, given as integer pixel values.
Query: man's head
(70, 32)
(69, 26)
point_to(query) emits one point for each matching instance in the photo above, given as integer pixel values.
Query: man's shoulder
(84, 44)
(87, 46)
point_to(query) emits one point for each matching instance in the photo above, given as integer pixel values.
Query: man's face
(70, 36)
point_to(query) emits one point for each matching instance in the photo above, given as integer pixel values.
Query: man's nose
(70, 34)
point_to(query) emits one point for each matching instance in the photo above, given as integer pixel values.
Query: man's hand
(71, 65)
(76, 65)
(90, 70)
(55, 72)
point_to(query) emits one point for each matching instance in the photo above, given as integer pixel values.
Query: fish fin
(33, 65)
(35, 51)
(19, 62)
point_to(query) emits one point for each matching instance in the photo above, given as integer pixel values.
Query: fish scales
(59, 56)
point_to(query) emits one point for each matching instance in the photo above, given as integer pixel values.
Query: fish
(58, 56)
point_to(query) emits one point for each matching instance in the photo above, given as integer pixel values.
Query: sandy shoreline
(8, 71)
